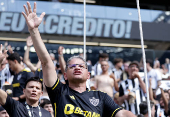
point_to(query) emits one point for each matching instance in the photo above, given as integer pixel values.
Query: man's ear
(15, 61)
(24, 91)
(65, 76)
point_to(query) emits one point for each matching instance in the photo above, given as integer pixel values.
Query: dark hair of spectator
(14, 56)
(140, 115)
(144, 107)
(117, 60)
(45, 101)
(103, 55)
(150, 62)
(34, 79)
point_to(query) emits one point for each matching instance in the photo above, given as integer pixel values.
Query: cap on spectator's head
(136, 63)
(1, 108)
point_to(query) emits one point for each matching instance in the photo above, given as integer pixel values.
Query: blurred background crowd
(113, 54)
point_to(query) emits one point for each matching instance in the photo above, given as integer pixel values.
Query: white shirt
(156, 76)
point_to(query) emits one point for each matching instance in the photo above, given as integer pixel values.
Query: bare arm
(165, 100)
(151, 92)
(124, 113)
(3, 94)
(122, 99)
(115, 82)
(26, 55)
(61, 59)
(49, 73)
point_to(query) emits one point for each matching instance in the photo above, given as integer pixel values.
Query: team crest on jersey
(19, 77)
(94, 101)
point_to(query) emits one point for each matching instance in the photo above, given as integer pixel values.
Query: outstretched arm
(49, 73)
(115, 82)
(3, 94)
(61, 59)
(26, 55)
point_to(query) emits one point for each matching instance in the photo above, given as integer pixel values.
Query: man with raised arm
(72, 100)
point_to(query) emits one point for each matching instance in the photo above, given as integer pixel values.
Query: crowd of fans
(24, 85)
(122, 80)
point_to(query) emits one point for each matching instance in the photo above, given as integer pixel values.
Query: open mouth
(33, 95)
(77, 72)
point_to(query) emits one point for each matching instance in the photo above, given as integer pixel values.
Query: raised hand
(10, 50)
(2, 55)
(29, 41)
(60, 50)
(135, 75)
(31, 17)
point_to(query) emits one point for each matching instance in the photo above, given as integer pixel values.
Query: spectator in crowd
(155, 75)
(167, 64)
(161, 102)
(144, 108)
(124, 74)
(53, 58)
(132, 90)
(32, 91)
(106, 82)
(20, 76)
(5, 74)
(3, 112)
(156, 63)
(117, 70)
(26, 57)
(46, 104)
(97, 66)
(71, 99)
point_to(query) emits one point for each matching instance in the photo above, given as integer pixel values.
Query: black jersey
(70, 103)
(17, 109)
(39, 73)
(19, 82)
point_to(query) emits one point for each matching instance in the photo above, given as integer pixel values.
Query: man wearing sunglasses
(72, 100)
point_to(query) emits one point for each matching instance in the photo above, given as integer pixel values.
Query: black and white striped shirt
(159, 112)
(5, 76)
(132, 85)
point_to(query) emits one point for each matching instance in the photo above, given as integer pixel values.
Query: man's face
(33, 90)
(104, 66)
(119, 64)
(77, 71)
(132, 68)
(48, 107)
(4, 113)
(126, 65)
(12, 65)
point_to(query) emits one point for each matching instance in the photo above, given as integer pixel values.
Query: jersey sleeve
(10, 105)
(29, 75)
(110, 107)
(54, 92)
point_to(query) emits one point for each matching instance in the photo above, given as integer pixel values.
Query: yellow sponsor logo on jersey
(70, 109)
(72, 97)
(16, 84)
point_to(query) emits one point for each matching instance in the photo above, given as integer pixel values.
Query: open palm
(31, 17)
